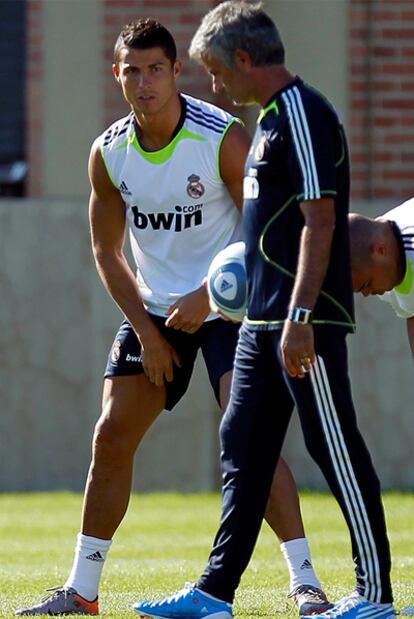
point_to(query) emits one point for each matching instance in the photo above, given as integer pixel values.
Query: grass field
(164, 541)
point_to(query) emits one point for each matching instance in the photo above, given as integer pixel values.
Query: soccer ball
(227, 282)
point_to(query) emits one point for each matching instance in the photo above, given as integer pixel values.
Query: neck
(155, 131)
(269, 80)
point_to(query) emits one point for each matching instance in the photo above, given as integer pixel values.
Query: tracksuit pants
(252, 433)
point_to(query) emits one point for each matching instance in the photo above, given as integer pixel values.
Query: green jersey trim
(263, 322)
(342, 157)
(272, 106)
(338, 323)
(159, 157)
(349, 322)
(407, 283)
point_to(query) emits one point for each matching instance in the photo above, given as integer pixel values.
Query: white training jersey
(179, 211)
(402, 296)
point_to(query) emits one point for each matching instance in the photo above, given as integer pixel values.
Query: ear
(379, 249)
(177, 68)
(242, 60)
(115, 71)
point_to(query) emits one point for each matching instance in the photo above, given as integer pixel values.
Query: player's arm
(314, 252)
(233, 154)
(410, 332)
(189, 312)
(107, 224)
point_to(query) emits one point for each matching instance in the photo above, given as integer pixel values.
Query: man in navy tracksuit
(291, 349)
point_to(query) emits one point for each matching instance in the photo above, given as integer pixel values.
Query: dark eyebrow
(153, 64)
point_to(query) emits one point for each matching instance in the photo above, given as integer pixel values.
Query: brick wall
(382, 98)
(381, 84)
(181, 17)
(34, 96)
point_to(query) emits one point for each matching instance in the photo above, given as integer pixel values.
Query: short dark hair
(143, 34)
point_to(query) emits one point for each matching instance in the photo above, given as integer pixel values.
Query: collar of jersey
(158, 157)
(405, 286)
(271, 104)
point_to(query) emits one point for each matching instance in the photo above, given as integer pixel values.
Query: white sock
(298, 559)
(90, 555)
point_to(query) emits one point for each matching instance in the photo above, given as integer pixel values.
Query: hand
(190, 311)
(215, 309)
(158, 359)
(298, 350)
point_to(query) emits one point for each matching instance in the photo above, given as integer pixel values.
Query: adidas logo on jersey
(181, 218)
(124, 189)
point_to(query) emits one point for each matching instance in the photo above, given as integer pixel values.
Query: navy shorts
(216, 339)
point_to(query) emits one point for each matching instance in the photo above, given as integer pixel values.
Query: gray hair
(237, 24)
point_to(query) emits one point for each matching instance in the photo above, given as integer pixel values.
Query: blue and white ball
(227, 282)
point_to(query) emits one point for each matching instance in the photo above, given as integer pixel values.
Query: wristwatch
(300, 315)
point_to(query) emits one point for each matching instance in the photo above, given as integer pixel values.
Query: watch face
(300, 315)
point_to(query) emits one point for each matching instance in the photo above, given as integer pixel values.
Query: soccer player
(291, 348)
(382, 259)
(172, 169)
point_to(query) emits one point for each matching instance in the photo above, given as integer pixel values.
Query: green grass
(164, 541)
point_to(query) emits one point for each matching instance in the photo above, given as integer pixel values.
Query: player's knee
(112, 439)
(233, 443)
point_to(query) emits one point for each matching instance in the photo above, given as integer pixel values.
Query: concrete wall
(56, 326)
(73, 90)
(315, 34)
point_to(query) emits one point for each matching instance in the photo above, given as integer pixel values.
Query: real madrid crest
(116, 351)
(260, 149)
(195, 189)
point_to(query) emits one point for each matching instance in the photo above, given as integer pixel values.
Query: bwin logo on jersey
(181, 218)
